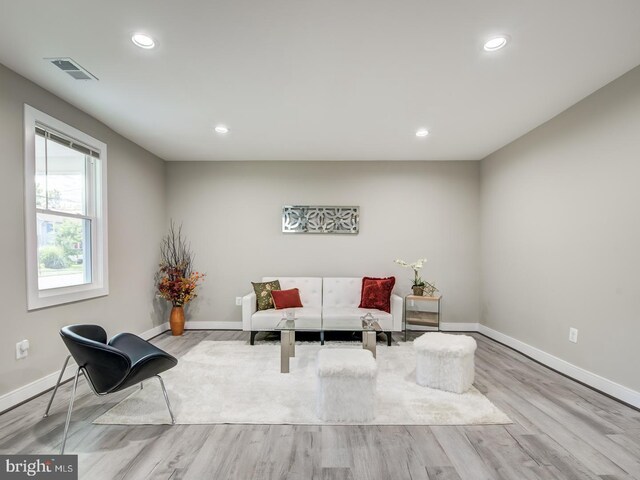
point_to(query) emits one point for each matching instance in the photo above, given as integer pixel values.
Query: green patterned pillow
(263, 293)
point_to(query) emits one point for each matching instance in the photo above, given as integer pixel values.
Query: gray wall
(552, 220)
(232, 214)
(561, 234)
(137, 207)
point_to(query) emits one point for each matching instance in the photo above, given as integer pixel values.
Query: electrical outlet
(573, 335)
(22, 349)
(238, 301)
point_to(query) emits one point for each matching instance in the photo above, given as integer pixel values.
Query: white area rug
(232, 382)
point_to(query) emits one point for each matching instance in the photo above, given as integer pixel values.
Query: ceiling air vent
(71, 67)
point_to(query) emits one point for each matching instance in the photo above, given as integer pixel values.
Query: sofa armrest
(397, 311)
(249, 307)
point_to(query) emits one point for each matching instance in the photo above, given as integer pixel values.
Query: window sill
(61, 296)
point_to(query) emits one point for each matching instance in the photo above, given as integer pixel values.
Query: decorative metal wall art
(320, 219)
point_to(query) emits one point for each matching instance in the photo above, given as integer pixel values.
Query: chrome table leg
(287, 349)
(369, 341)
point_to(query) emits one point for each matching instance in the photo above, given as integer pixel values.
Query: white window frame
(99, 285)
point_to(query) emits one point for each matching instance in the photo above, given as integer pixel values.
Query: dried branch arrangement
(175, 280)
(175, 252)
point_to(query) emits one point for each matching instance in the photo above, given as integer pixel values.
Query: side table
(423, 312)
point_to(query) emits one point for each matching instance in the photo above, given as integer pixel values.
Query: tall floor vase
(176, 321)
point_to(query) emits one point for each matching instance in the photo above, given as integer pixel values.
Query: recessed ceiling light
(495, 43)
(422, 132)
(143, 41)
(222, 129)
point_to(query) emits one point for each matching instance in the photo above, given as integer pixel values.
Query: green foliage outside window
(69, 238)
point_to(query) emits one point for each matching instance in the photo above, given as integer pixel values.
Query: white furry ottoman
(445, 361)
(346, 385)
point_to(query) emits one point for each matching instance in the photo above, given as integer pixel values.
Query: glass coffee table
(288, 329)
(369, 330)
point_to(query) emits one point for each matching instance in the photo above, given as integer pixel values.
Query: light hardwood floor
(561, 430)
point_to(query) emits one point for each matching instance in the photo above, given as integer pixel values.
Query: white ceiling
(323, 79)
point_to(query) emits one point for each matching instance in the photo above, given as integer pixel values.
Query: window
(66, 212)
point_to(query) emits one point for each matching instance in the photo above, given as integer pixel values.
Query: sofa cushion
(310, 288)
(286, 298)
(332, 316)
(376, 293)
(263, 293)
(269, 319)
(341, 292)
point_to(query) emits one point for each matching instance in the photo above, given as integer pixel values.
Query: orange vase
(176, 321)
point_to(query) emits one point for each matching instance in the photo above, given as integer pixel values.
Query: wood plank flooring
(561, 430)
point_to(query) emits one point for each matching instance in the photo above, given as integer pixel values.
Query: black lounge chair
(110, 366)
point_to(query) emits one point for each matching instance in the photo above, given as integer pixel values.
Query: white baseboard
(152, 332)
(193, 326)
(447, 327)
(458, 327)
(609, 387)
(35, 388)
(43, 384)
(213, 325)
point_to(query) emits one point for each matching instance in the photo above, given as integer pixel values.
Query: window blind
(67, 142)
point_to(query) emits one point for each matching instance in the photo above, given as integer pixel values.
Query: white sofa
(330, 298)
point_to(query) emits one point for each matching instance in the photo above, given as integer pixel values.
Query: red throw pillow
(286, 298)
(376, 293)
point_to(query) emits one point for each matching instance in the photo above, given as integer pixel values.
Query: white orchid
(416, 267)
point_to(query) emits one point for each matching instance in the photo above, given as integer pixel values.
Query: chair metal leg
(166, 399)
(141, 385)
(55, 389)
(66, 425)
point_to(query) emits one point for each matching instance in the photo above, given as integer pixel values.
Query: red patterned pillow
(286, 298)
(376, 293)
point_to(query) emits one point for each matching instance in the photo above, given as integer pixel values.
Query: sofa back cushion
(341, 292)
(310, 288)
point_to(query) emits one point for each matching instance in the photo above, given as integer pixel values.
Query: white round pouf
(346, 385)
(444, 361)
